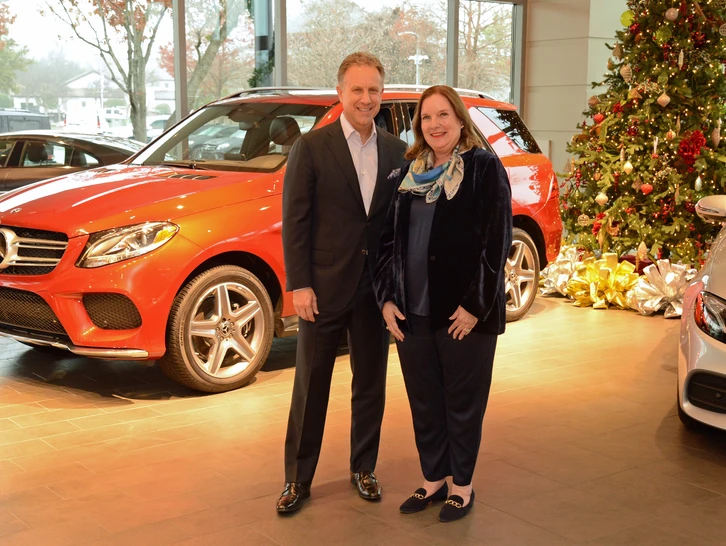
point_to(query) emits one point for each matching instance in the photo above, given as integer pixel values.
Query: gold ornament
(614, 231)
(583, 220)
(722, 30)
(601, 199)
(626, 72)
(593, 101)
(611, 64)
(663, 100)
(670, 135)
(622, 154)
(597, 176)
(671, 14)
(635, 94)
(681, 59)
(637, 184)
(618, 51)
(699, 184)
(628, 167)
(678, 125)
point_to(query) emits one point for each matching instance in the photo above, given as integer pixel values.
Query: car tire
(220, 330)
(521, 275)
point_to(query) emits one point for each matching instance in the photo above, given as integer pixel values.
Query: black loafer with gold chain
(453, 509)
(418, 501)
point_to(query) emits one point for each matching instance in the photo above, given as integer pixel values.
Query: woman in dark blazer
(440, 284)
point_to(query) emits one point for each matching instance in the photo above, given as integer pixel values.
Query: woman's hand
(390, 314)
(463, 323)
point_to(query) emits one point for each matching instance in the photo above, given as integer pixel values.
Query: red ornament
(646, 188)
(598, 118)
(634, 28)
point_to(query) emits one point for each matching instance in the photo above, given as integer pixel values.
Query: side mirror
(712, 208)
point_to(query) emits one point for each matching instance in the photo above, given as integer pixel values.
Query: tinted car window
(509, 122)
(5, 147)
(20, 124)
(83, 159)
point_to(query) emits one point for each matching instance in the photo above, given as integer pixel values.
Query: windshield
(251, 137)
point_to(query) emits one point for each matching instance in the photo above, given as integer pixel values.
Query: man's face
(360, 94)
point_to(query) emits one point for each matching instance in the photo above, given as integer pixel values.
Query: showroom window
(409, 37)
(485, 47)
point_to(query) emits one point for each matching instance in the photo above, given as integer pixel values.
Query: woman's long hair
(469, 137)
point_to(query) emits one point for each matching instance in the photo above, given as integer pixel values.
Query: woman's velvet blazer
(471, 236)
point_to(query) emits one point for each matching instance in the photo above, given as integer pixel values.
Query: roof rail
(413, 87)
(284, 88)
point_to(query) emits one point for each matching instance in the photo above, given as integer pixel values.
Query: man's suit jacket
(326, 233)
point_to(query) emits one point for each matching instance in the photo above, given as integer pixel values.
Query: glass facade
(126, 85)
(485, 48)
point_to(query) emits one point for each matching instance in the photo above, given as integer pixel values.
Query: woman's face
(439, 124)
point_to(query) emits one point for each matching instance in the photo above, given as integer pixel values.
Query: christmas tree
(649, 148)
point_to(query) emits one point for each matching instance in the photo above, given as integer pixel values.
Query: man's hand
(306, 303)
(390, 314)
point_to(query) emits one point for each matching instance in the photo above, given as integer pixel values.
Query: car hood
(715, 267)
(122, 195)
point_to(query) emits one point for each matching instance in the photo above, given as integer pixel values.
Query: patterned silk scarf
(423, 179)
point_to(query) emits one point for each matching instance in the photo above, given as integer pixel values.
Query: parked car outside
(177, 259)
(155, 125)
(13, 119)
(30, 156)
(702, 354)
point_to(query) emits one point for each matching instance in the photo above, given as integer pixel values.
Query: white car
(702, 354)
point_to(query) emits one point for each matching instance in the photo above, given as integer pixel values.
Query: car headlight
(710, 315)
(116, 245)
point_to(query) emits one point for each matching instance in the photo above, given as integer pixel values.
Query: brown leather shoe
(367, 485)
(293, 497)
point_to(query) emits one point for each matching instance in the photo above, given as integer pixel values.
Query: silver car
(702, 354)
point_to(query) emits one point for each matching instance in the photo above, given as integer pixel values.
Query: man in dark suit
(339, 183)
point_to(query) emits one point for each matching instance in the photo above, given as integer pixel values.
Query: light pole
(417, 58)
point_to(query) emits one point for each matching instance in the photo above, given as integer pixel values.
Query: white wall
(565, 52)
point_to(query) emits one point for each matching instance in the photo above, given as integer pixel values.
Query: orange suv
(178, 257)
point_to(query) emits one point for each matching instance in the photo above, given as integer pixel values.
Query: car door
(39, 160)
(6, 148)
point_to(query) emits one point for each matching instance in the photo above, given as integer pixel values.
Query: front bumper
(150, 282)
(698, 353)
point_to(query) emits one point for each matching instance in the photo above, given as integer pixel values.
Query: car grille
(112, 311)
(28, 313)
(707, 391)
(25, 251)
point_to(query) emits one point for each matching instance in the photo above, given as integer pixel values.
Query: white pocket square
(394, 173)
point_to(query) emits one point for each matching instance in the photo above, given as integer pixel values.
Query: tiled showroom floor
(582, 445)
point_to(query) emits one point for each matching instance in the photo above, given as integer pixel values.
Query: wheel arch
(254, 264)
(532, 228)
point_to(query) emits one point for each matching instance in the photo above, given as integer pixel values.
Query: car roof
(77, 138)
(329, 96)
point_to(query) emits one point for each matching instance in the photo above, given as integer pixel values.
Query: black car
(30, 156)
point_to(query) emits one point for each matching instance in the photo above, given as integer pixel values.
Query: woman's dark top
(417, 256)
